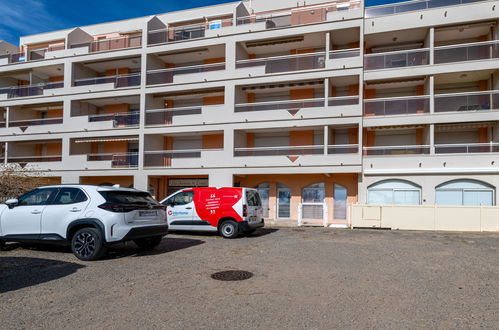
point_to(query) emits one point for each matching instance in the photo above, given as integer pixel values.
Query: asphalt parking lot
(302, 278)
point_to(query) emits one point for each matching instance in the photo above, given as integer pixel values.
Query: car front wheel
(87, 244)
(148, 243)
(229, 229)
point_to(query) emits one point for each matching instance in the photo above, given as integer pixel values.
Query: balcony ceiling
(396, 38)
(462, 77)
(345, 36)
(469, 31)
(115, 100)
(42, 72)
(313, 40)
(131, 63)
(194, 55)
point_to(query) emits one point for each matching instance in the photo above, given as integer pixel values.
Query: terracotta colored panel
(251, 56)
(353, 90)
(113, 72)
(213, 141)
(167, 145)
(301, 138)
(333, 91)
(369, 93)
(308, 16)
(355, 44)
(250, 140)
(419, 136)
(116, 108)
(54, 149)
(369, 138)
(56, 113)
(23, 82)
(353, 135)
(212, 100)
(56, 78)
(483, 85)
(302, 51)
(115, 147)
(483, 135)
(300, 94)
(420, 90)
(214, 60)
(251, 97)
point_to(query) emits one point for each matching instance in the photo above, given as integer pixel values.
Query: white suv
(88, 218)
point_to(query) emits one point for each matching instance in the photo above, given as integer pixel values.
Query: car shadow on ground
(258, 233)
(21, 272)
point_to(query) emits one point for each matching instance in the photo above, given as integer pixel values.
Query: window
(264, 193)
(314, 193)
(252, 198)
(394, 192)
(37, 197)
(465, 192)
(70, 196)
(340, 202)
(128, 197)
(183, 197)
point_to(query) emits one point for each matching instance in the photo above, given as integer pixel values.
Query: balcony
(118, 81)
(30, 90)
(406, 105)
(174, 75)
(288, 63)
(37, 151)
(33, 159)
(409, 6)
(111, 44)
(397, 150)
(118, 160)
(186, 32)
(467, 148)
(296, 150)
(179, 158)
(344, 53)
(35, 122)
(467, 52)
(280, 105)
(31, 54)
(397, 59)
(471, 101)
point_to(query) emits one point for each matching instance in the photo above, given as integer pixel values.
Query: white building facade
(320, 105)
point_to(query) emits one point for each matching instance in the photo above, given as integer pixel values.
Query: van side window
(184, 197)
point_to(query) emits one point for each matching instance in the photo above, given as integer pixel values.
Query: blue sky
(25, 17)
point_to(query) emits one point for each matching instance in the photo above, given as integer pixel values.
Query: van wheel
(229, 229)
(148, 243)
(87, 244)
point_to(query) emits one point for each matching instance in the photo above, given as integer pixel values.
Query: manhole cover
(232, 275)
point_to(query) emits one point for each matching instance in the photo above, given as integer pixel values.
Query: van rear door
(253, 205)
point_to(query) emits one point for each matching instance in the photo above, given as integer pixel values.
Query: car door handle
(188, 208)
(75, 210)
(36, 212)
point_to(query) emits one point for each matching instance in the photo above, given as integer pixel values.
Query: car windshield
(128, 197)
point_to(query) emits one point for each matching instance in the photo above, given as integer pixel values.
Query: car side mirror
(11, 203)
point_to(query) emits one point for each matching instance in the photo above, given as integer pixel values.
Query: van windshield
(253, 198)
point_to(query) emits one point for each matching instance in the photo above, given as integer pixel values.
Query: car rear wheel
(87, 244)
(229, 229)
(148, 243)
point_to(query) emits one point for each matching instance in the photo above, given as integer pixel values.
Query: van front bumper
(245, 225)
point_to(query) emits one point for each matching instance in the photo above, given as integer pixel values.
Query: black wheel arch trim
(87, 221)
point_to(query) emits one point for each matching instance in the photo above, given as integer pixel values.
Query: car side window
(37, 197)
(69, 196)
(183, 198)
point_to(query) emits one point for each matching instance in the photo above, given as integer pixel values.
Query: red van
(230, 211)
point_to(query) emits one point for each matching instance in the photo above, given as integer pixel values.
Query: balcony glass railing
(467, 148)
(396, 150)
(337, 149)
(474, 101)
(14, 58)
(337, 101)
(33, 159)
(398, 59)
(35, 122)
(31, 55)
(408, 6)
(297, 16)
(163, 158)
(105, 45)
(406, 105)
(128, 80)
(2, 124)
(279, 151)
(344, 53)
(279, 105)
(29, 90)
(467, 52)
(165, 116)
(286, 63)
(186, 32)
(124, 160)
(123, 119)
(165, 76)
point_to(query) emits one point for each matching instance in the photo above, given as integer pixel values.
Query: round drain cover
(232, 275)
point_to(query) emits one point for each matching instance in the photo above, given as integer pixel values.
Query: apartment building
(319, 105)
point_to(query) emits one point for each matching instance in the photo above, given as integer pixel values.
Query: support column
(328, 48)
(326, 139)
(326, 92)
(431, 44)
(432, 139)
(431, 87)
(221, 178)
(230, 57)
(140, 181)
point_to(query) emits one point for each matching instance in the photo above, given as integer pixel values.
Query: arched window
(394, 192)
(465, 192)
(314, 193)
(264, 192)
(340, 202)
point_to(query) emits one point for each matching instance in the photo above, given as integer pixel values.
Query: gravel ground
(303, 278)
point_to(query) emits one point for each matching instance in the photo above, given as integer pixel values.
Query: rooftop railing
(280, 151)
(109, 44)
(286, 63)
(397, 59)
(33, 159)
(472, 101)
(344, 53)
(35, 122)
(186, 32)
(118, 160)
(127, 80)
(397, 150)
(165, 116)
(165, 76)
(123, 119)
(280, 105)
(30, 90)
(467, 52)
(467, 148)
(409, 6)
(405, 105)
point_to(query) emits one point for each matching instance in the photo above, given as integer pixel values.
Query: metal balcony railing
(33, 159)
(280, 151)
(467, 52)
(397, 150)
(473, 101)
(29, 90)
(165, 116)
(409, 6)
(163, 158)
(110, 44)
(127, 80)
(35, 122)
(123, 119)
(31, 54)
(280, 105)
(397, 59)
(337, 101)
(336, 149)
(344, 53)
(467, 148)
(405, 105)
(286, 63)
(185, 32)
(118, 160)
(165, 76)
